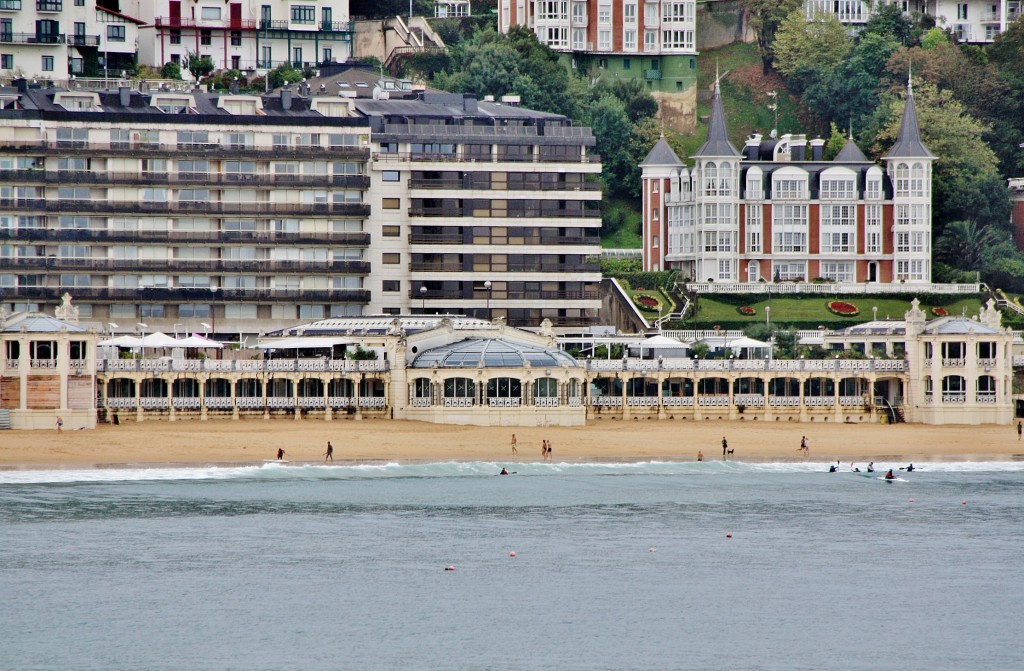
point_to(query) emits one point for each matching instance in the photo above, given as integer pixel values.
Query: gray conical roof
(661, 154)
(850, 153)
(717, 143)
(908, 142)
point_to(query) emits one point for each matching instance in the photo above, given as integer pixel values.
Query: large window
(791, 189)
(305, 14)
(838, 189)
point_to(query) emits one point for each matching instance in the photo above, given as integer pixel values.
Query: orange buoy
(911, 500)
(964, 502)
(512, 554)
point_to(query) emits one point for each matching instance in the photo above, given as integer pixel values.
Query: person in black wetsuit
(503, 472)
(910, 468)
(832, 468)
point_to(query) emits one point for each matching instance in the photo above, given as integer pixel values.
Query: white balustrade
(373, 402)
(340, 402)
(422, 402)
(819, 401)
(458, 402)
(784, 401)
(545, 401)
(249, 402)
(929, 399)
(707, 401)
(575, 402)
(185, 402)
(503, 402)
(606, 401)
(677, 401)
(642, 401)
(153, 403)
(749, 400)
(602, 364)
(954, 363)
(851, 401)
(984, 398)
(280, 402)
(957, 398)
(43, 363)
(312, 402)
(987, 363)
(218, 402)
(121, 403)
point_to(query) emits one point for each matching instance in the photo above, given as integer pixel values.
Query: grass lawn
(668, 304)
(788, 309)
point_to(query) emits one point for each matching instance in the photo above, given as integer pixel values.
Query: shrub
(842, 308)
(747, 310)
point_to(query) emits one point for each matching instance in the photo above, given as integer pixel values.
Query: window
(303, 14)
(240, 311)
(677, 39)
(47, 63)
(717, 241)
(628, 13)
(838, 215)
(210, 13)
(789, 270)
(391, 285)
(838, 189)
(837, 272)
(791, 189)
(902, 180)
(390, 231)
(604, 14)
(754, 229)
(628, 43)
(650, 40)
(193, 310)
(390, 203)
(175, 37)
(115, 33)
(236, 39)
(205, 37)
(837, 243)
(386, 176)
(391, 258)
(311, 312)
(724, 269)
(7, 61)
(874, 189)
(156, 311)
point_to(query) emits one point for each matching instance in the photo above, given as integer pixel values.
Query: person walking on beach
(544, 450)
(1020, 430)
(280, 454)
(60, 424)
(514, 450)
(725, 446)
(700, 456)
(803, 445)
(549, 449)
(329, 454)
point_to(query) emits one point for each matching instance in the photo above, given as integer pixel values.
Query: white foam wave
(451, 469)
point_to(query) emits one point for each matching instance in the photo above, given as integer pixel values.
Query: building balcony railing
(84, 40)
(280, 25)
(207, 265)
(177, 22)
(532, 214)
(454, 184)
(191, 178)
(354, 239)
(536, 267)
(175, 149)
(243, 366)
(415, 130)
(177, 294)
(511, 295)
(398, 157)
(187, 207)
(457, 239)
(31, 38)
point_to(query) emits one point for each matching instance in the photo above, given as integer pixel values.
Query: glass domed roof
(492, 353)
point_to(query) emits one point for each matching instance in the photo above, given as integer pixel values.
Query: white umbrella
(159, 339)
(198, 341)
(122, 341)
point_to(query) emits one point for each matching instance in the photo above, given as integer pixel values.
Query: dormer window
(241, 105)
(77, 101)
(172, 104)
(790, 189)
(838, 189)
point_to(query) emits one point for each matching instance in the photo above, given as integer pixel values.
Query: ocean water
(616, 566)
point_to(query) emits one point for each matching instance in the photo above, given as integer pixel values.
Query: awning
(159, 339)
(121, 341)
(199, 342)
(304, 343)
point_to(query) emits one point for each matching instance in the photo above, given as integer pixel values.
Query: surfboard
(275, 461)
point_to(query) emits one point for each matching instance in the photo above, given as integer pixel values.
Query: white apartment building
(52, 39)
(247, 35)
(976, 21)
(246, 213)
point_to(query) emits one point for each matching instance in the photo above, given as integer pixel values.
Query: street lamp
(487, 286)
(175, 327)
(423, 299)
(205, 326)
(213, 309)
(112, 326)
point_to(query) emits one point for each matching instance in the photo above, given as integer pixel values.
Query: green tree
(836, 141)
(198, 66)
(613, 132)
(962, 244)
(765, 17)
(934, 38)
(283, 74)
(888, 20)
(170, 70)
(810, 47)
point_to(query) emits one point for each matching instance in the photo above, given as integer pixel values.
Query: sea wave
(454, 469)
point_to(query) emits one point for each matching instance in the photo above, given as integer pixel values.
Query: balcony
(177, 23)
(49, 5)
(357, 239)
(202, 150)
(532, 214)
(84, 40)
(454, 184)
(205, 265)
(31, 38)
(186, 207)
(192, 178)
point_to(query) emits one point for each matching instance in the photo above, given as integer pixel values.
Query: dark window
(205, 38)
(391, 285)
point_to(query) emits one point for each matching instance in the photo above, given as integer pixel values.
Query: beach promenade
(372, 440)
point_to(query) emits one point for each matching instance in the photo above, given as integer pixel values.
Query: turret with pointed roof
(717, 143)
(850, 153)
(661, 154)
(908, 142)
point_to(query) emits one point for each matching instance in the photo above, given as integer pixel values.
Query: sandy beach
(253, 441)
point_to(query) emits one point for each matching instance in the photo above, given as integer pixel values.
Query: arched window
(954, 389)
(710, 179)
(725, 180)
(986, 392)
(902, 180)
(422, 387)
(753, 271)
(459, 387)
(917, 188)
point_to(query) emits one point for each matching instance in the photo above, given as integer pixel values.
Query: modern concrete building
(975, 21)
(47, 370)
(652, 42)
(246, 213)
(53, 39)
(778, 211)
(246, 35)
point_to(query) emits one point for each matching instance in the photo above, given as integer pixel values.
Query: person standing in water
(725, 446)
(280, 454)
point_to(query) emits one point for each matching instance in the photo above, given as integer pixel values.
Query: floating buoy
(911, 500)
(512, 554)
(652, 549)
(964, 502)
(450, 567)
(728, 535)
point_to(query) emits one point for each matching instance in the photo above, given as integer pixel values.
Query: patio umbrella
(122, 341)
(199, 342)
(159, 339)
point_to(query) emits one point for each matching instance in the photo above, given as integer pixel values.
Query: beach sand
(249, 441)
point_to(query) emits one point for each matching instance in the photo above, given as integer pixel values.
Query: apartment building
(234, 213)
(248, 35)
(975, 21)
(777, 211)
(653, 42)
(53, 39)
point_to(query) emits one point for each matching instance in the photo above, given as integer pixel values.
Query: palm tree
(962, 244)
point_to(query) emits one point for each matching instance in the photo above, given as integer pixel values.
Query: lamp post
(213, 309)
(487, 286)
(175, 327)
(423, 299)
(206, 326)
(142, 326)
(112, 326)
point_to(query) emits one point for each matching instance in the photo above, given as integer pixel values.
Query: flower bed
(842, 308)
(647, 302)
(940, 312)
(747, 310)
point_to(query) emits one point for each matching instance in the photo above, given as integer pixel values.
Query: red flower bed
(647, 301)
(747, 310)
(940, 312)
(843, 309)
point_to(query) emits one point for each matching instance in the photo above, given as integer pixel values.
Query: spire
(908, 142)
(661, 155)
(717, 142)
(850, 153)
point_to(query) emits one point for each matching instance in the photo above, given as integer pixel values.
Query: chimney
(512, 101)
(21, 84)
(797, 147)
(817, 149)
(286, 99)
(469, 104)
(752, 148)
(125, 94)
